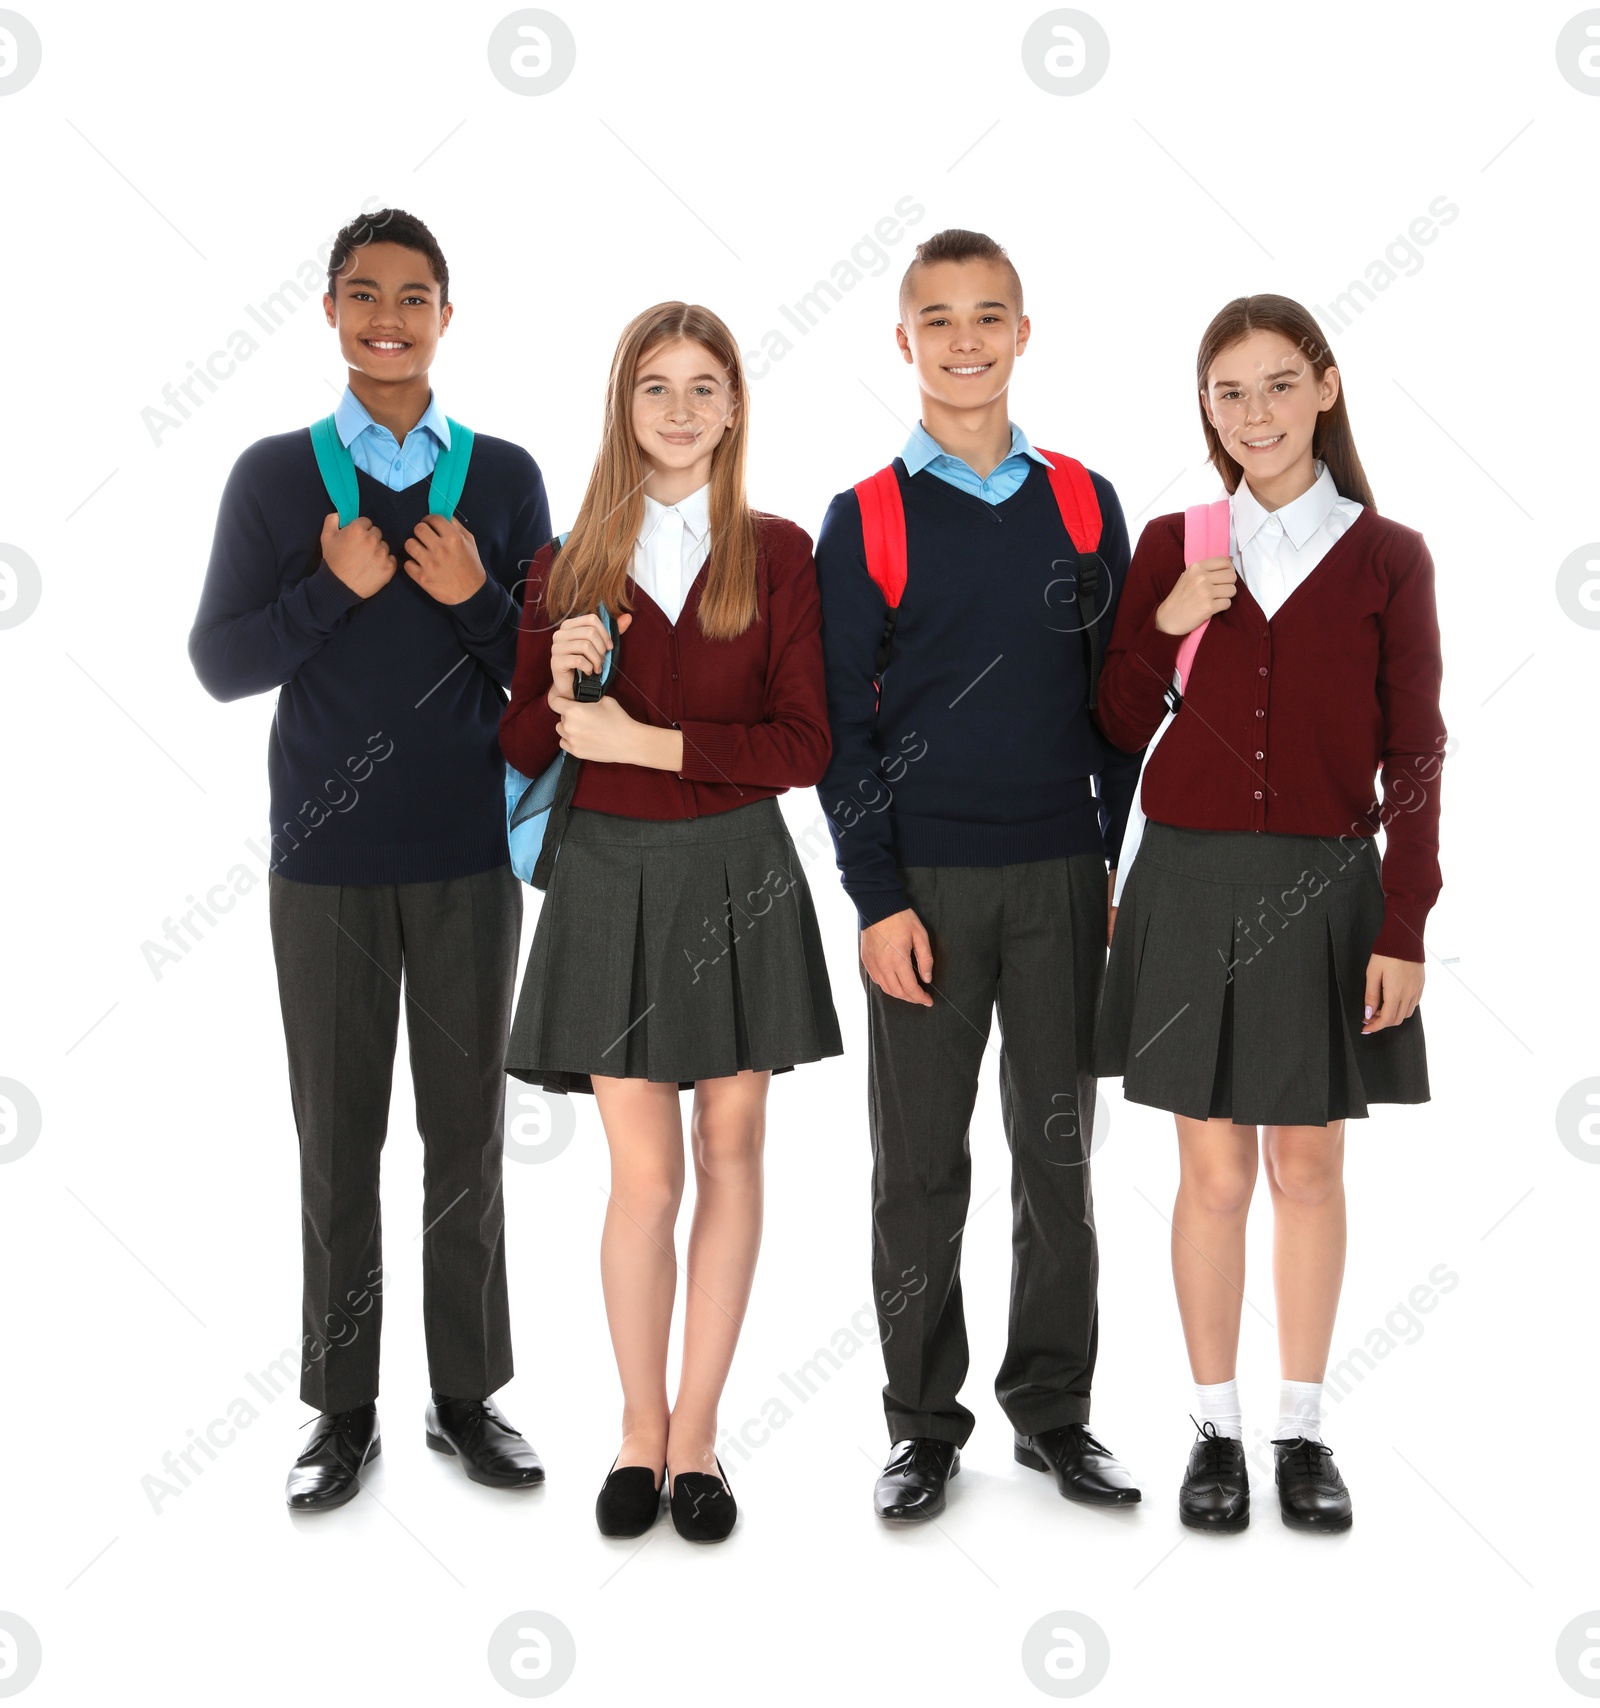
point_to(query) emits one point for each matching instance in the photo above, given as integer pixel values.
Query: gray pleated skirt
(1237, 978)
(675, 951)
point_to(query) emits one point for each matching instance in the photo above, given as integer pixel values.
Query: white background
(168, 166)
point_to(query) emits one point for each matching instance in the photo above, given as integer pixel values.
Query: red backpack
(883, 532)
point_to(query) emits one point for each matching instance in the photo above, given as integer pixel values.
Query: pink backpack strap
(1205, 534)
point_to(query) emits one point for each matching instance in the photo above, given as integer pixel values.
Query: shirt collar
(1299, 519)
(695, 511)
(922, 448)
(351, 419)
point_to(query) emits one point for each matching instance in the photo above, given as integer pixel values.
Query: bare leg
(638, 1265)
(729, 1127)
(1217, 1162)
(1305, 1171)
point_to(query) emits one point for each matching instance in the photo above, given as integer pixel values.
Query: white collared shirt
(673, 545)
(1278, 549)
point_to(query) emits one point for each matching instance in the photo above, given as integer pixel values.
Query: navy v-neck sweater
(384, 759)
(982, 752)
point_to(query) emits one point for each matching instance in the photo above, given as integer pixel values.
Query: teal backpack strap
(450, 472)
(338, 470)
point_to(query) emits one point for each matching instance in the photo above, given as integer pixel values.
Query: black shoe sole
(1328, 1526)
(1221, 1526)
(487, 1478)
(350, 1493)
(1027, 1456)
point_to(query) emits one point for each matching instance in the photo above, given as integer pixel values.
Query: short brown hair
(955, 244)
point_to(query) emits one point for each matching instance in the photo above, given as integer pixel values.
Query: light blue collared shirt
(375, 450)
(922, 452)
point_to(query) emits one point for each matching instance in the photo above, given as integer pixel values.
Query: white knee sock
(1219, 1405)
(1300, 1411)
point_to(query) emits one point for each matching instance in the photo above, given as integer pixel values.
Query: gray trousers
(342, 951)
(1029, 941)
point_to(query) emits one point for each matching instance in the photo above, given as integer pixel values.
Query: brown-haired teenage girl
(1265, 967)
(677, 945)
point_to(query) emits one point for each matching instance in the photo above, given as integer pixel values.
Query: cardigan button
(1260, 754)
(1260, 713)
(1262, 671)
(1258, 794)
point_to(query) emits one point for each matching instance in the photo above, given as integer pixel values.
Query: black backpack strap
(885, 643)
(561, 807)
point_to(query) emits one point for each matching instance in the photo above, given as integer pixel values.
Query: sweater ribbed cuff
(708, 752)
(874, 905)
(1404, 920)
(481, 614)
(327, 597)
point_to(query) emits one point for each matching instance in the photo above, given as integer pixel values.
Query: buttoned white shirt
(1277, 549)
(672, 548)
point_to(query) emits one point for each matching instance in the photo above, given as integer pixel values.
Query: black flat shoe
(703, 1507)
(492, 1451)
(328, 1472)
(1083, 1468)
(911, 1486)
(1311, 1493)
(629, 1501)
(1216, 1488)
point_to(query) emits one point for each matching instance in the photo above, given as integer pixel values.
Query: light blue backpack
(537, 807)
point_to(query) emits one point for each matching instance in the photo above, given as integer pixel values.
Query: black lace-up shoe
(911, 1486)
(492, 1451)
(1083, 1468)
(1216, 1487)
(1311, 1493)
(328, 1472)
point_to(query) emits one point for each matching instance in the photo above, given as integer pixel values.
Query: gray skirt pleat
(676, 951)
(1237, 978)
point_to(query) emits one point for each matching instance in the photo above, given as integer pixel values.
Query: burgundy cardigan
(753, 710)
(1285, 722)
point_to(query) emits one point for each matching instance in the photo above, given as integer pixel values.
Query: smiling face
(962, 329)
(387, 312)
(1263, 396)
(683, 403)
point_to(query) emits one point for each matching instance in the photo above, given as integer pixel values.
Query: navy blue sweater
(982, 752)
(384, 760)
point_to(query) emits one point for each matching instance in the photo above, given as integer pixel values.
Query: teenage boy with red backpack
(968, 591)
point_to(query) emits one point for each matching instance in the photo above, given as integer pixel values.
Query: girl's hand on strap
(1393, 990)
(581, 643)
(1202, 590)
(602, 731)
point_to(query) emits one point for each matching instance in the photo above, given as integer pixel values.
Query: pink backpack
(1205, 534)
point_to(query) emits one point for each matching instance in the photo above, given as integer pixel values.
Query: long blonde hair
(594, 564)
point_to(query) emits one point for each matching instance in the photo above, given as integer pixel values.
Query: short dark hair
(956, 244)
(389, 225)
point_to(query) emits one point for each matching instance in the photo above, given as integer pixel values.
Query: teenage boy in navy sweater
(390, 642)
(974, 811)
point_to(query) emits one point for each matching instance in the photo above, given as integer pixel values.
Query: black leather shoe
(911, 1486)
(490, 1448)
(1216, 1488)
(1082, 1467)
(703, 1507)
(328, 1473)
(629, 1501)
(1311, 1493)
